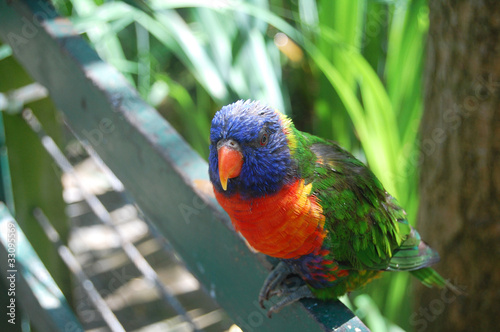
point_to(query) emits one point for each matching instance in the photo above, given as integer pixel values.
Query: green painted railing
(29, 285)
(156, 166)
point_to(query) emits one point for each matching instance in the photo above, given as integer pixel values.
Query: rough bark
(459, 211)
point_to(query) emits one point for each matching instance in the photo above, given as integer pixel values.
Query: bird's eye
(264, 138)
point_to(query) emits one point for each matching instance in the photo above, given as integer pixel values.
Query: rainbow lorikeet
(308, 202)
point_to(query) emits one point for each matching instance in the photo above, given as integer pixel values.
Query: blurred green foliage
(348, 70)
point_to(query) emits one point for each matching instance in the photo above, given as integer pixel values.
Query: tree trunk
(460, 165)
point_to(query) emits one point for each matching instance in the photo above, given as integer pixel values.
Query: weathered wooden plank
(30, 285)
(156, 165)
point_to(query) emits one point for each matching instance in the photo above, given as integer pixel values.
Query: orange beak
(230, 163)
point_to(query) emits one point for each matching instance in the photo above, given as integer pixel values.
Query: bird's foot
(289, 298)
(273, 280)
(279, 283)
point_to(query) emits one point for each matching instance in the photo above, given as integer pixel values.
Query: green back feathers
(366, 227)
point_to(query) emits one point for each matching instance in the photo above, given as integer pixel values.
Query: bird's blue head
(249, 150)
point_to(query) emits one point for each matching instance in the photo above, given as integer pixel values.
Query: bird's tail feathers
(430, 278)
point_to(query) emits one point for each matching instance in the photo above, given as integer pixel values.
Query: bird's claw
(277, 284)
(290, 297)
(273, 280)
(270, 313)
(261, 302)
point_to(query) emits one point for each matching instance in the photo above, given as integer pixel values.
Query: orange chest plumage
(288, 224)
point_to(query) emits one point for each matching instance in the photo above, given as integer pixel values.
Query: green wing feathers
(367, 229)
(361, 218)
